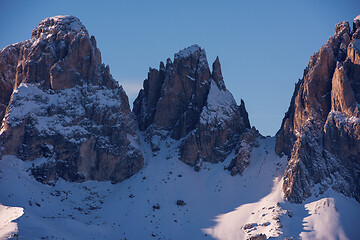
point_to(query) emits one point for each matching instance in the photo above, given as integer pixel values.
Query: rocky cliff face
(187, 102)
(9, 58)
(60, 103)
(321, 130)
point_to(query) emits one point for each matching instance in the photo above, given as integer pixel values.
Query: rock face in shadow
(185, 101)
(9, 58)
(60, 103)
(320, 133)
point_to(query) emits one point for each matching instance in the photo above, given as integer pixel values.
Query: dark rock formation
(168, 92)
(321, 130)
(243, 150)
(258, 237)
(66, 107)
(180, 203)
(9, 58)
(187, 102)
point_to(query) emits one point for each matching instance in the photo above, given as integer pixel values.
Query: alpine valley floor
(217, 205)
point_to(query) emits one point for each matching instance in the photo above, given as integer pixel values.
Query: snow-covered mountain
(76, 163)
(187, 102)
(66, 107)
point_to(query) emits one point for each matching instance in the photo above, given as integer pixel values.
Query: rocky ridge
(55, 87)
(321, 130)
(60, 103)
(185, 101)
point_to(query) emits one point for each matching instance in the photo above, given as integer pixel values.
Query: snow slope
(217, 204)
(7, 215)
(331, 216)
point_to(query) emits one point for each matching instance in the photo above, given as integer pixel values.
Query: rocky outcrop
(9, 58)
(66, 107)
(248, 141)
(168, 92)
(187, 102)
(320, 132)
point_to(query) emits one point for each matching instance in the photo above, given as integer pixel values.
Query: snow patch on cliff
(55, 112)
(343, 118)
(220, 106)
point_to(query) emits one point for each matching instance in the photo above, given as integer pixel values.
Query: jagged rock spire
(188, 103)
(321, 130)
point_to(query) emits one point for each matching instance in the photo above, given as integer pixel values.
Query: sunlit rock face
(320, 133)
(185, 101)
(59, 102)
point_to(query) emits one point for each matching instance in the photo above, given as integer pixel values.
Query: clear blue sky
(263, 46)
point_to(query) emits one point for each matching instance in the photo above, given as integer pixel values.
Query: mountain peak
(60, 68)
(356, 24)
(53, 25)
(186, 102)
(357, 18)
(217, 74)
(341, 27)
(186, 52)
